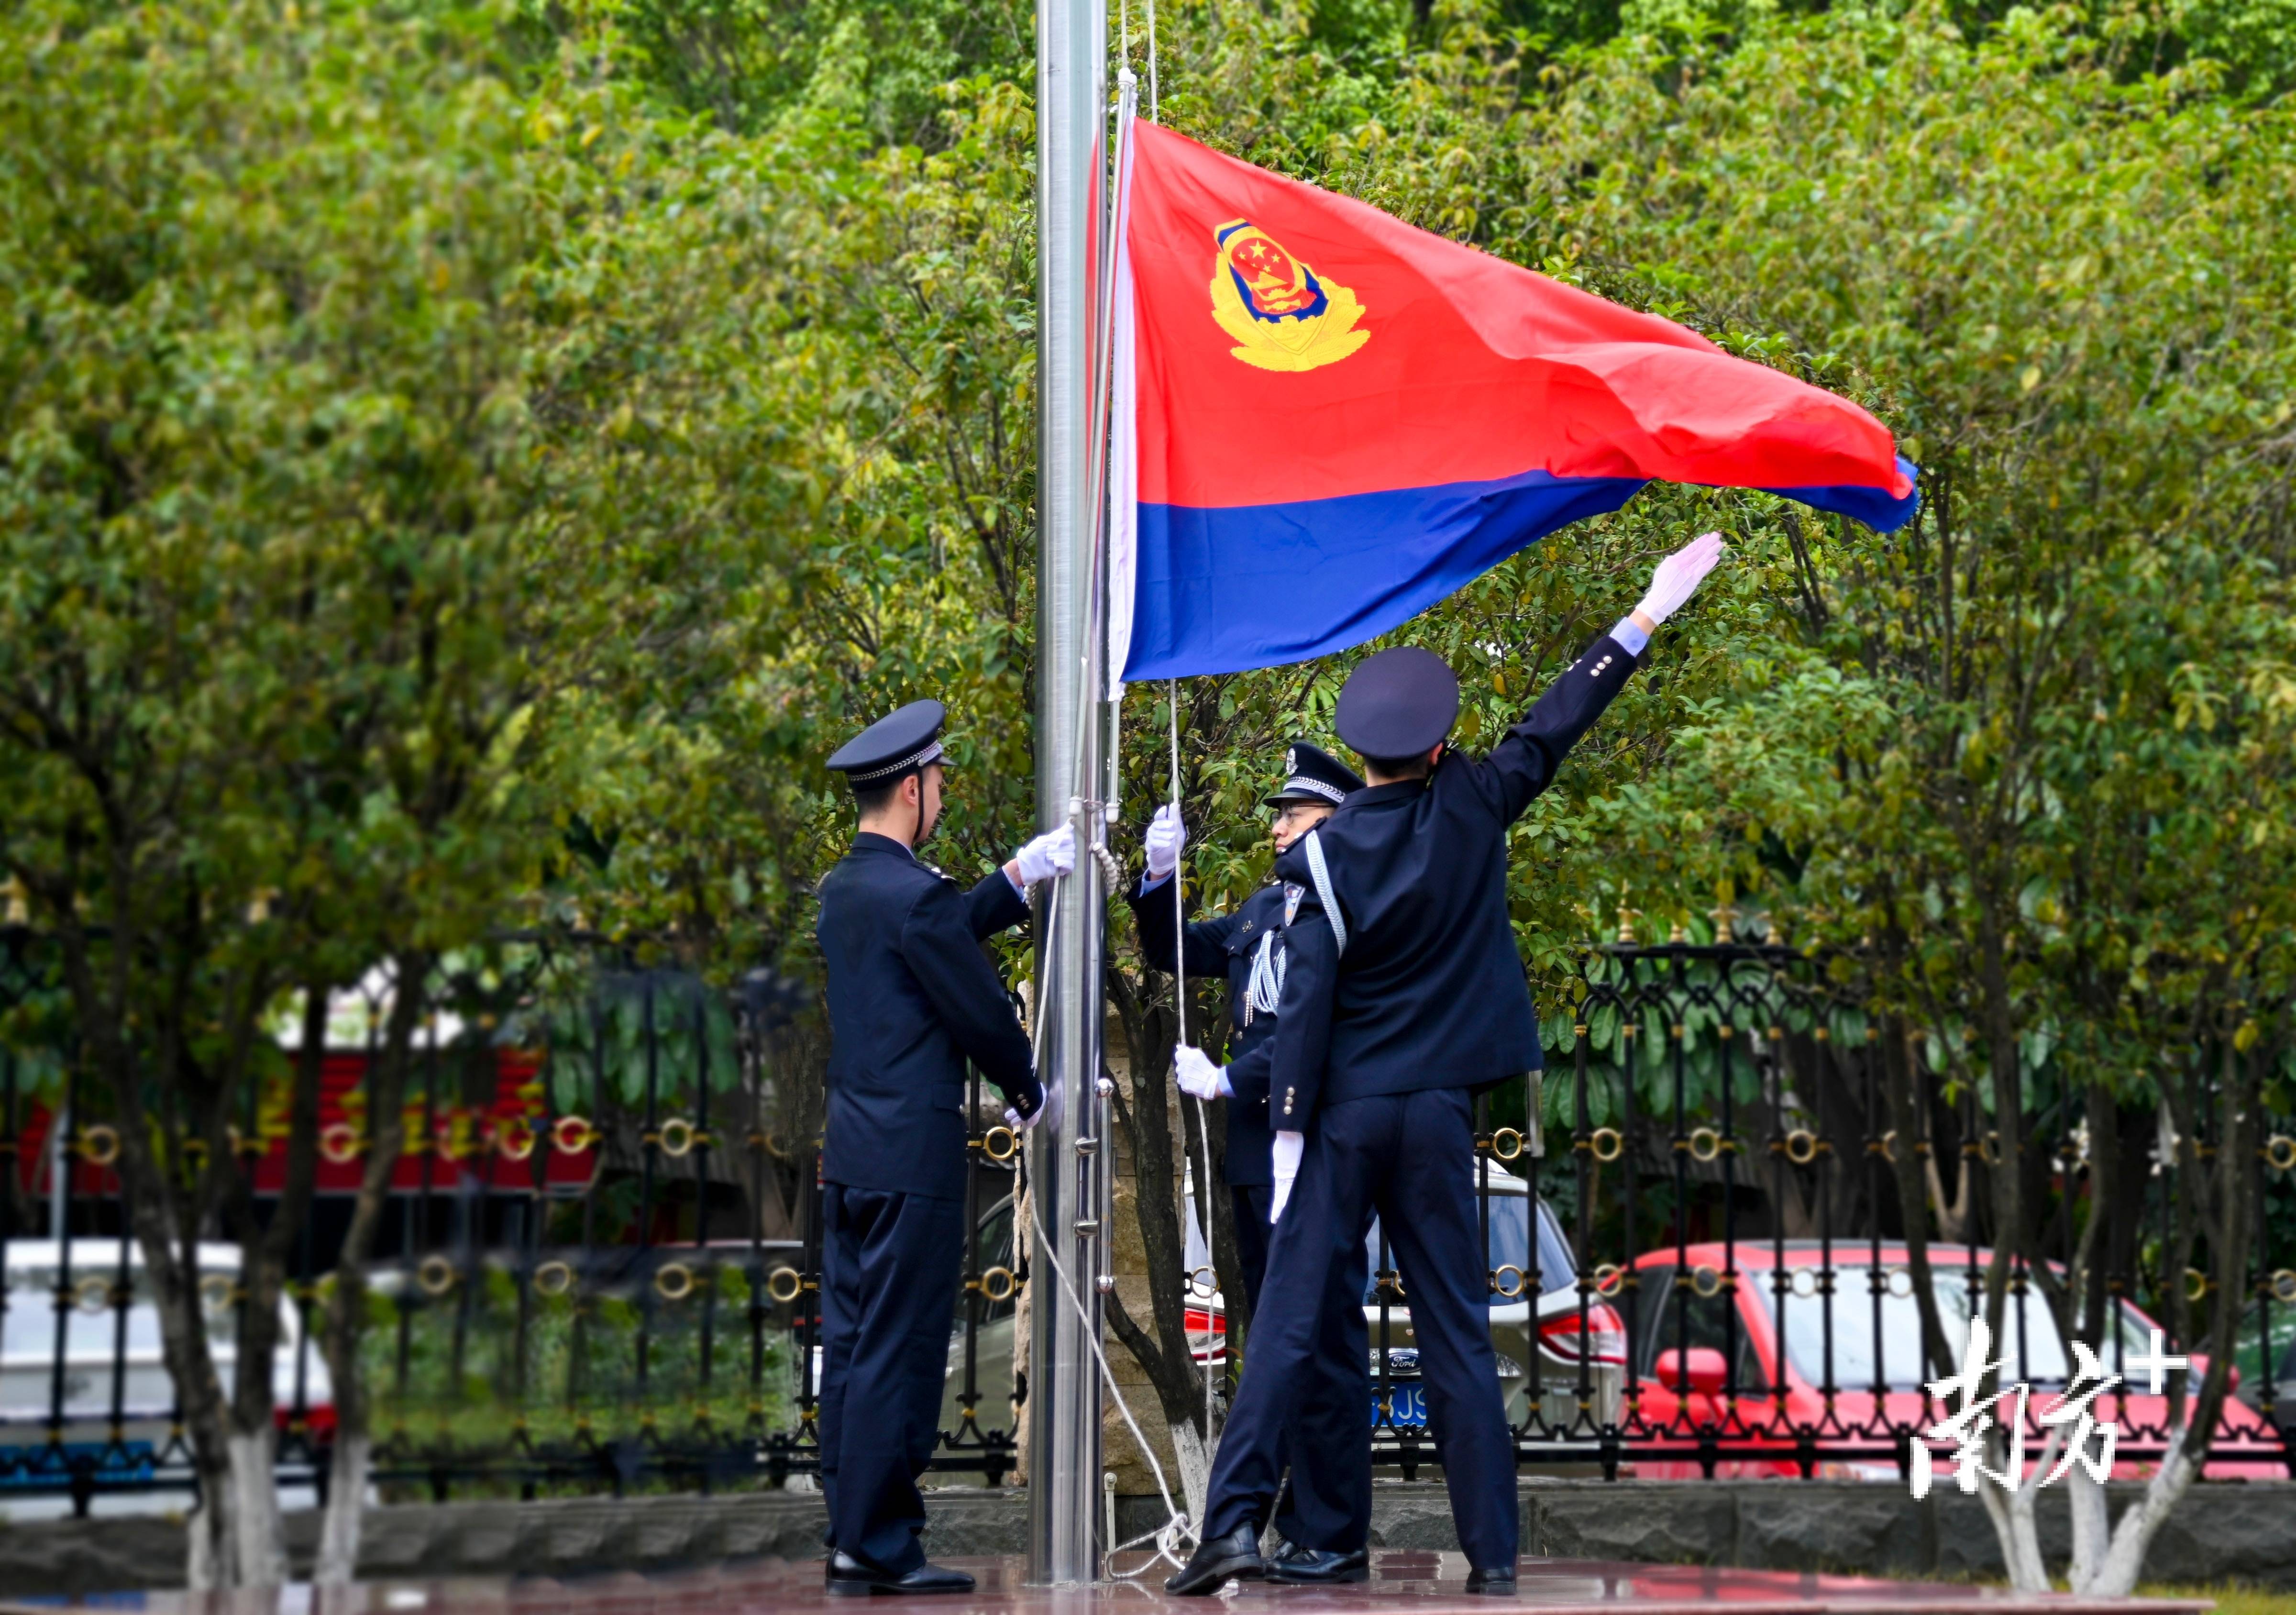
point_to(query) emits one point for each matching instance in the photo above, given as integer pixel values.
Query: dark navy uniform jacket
(1225, 947)
(1430, 992)
(911, 999)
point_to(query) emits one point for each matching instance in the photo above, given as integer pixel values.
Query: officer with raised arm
(1323, 1516)
(912, 999)
(1404, 996)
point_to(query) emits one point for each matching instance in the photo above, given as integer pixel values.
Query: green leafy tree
(2049, 266)
(266, 439)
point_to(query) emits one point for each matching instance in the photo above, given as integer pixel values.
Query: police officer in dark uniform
(1325, 1514)
(912, 999)
(1246, 947)
(1405, 994)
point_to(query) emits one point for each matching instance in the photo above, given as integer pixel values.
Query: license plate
(1406, 1405)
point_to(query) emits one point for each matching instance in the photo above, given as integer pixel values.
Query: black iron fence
(1733, 1290)
(598, 1270)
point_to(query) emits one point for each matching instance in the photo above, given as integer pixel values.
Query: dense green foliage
(743, 393)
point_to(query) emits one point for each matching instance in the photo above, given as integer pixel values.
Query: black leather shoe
(1492, 1584)
(1209, 1569)
(1318, 1567)
(852, 1578)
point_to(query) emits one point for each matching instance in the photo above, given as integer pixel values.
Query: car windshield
(2029, 1349)
(28, 1327)
(1508, 1245)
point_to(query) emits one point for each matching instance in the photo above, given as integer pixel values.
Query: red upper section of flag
(1296, 344)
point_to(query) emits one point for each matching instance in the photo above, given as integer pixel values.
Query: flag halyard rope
(1203, 1111)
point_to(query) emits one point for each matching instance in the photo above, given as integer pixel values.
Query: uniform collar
(1395, 790)
(869, 841)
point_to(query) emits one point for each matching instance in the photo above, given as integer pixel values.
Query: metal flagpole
(1066, 1175)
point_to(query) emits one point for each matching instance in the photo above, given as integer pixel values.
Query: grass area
(2229, 1600)
(468, 1377)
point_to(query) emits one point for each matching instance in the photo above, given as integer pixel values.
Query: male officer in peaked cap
(912, 999)
(1405, 994)
(1325, 1514)
(1246, 947)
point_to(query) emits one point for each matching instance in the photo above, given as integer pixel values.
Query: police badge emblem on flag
(1282, 316)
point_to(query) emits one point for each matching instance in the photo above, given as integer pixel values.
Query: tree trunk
(2011, 1513)
(338, 1530)
(162, 1199)
(1195, 1457)
(2116, 1576)
(339, 1526)
(252, 1443)
(259, 1535)
(1910, 1166)
(2019, 1545)
(2092, 1530)
(209, 1547)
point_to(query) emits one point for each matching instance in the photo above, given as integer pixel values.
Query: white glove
(1052, 853)
(1678, 576)
(1048, 1111)
(1165, 836)
(1288, 1149)
(1198, 1076)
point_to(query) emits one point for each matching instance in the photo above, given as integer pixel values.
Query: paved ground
(1403, 1583)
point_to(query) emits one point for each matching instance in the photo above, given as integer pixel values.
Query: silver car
(1536, 1326)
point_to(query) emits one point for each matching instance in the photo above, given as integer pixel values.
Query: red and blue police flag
(1326, 420)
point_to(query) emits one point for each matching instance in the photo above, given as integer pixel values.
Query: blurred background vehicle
(1707, 1353)
(1542, 1334)
(83, 1384)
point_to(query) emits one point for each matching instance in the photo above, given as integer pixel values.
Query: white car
(109, 1382)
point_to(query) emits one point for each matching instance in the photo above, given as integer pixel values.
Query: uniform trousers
(1326, 1499)
(1251, 1203)
(1409, 1158)
(890, 1263)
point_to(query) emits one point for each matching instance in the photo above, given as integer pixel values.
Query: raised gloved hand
(1289, 1147)
(1165, 836)
(1052, 853)
(1048, 1106)
(1198, 1076)
(1678, 576)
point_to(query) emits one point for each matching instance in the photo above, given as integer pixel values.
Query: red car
(1705, 1363)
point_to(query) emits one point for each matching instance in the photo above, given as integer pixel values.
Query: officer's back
(1420, 869)
(911, 999)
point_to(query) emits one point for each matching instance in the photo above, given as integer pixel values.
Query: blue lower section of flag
(1256, 586)
(1222, 590)
(1877, 507)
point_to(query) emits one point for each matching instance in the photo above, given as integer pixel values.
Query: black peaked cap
(893, 745)
(1397, 703)
(1313, 774)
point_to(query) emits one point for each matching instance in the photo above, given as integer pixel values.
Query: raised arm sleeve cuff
(1630, 637)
